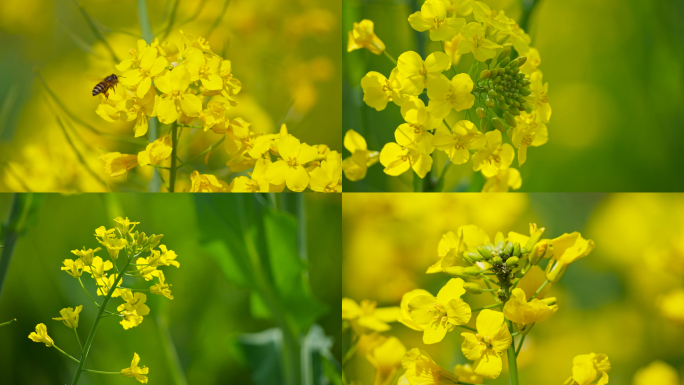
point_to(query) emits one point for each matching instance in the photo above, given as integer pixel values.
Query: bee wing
(95, 78)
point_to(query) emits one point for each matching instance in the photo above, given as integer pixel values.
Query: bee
(104, 86)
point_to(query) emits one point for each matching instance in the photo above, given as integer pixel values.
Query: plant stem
(11, 230)
(467, 327)
(512, 363)
(539, 290)
(79, 341)
(91, 335)
(65, 353)
(393, 60)
(487, 307)
(174, 150)
(8, 322)
(99, 371)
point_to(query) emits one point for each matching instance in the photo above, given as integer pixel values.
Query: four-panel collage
(341, 192)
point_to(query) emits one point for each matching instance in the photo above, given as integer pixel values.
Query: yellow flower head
(567, 249)
(73, 268)
(378, 90)
(362, 36)
(117, 164)
(40, 335)
(135, 371)
(433, 17)
(133, 310)
(397, 159)
(404, 315)
(161, 288)
(475, 42)
(125, 225)
(156, 151)
(658, 372)
(587, 368)
(503, 180)
(422, 370)
(441, 314)
(532, 63)
(367, 316)
(98, 267)
(86, 255)
(414, 73)
(114, 245)
(70, 316)
(529, 131)
(497, 20)
(290, 168)
(539, 97)
(104, 284)
(451, 246)
(151, 65)
(466, 374)
(494, 156)
(524, 313)
(327, 177)
(204, 68)
(207, 183)
(446, 94)
(356, 166)
(672, 306)
(419, 122)
(486, 347)
(175, 97)
(464, 136)
(386, 358)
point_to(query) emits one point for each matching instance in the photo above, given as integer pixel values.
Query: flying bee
(104, 86)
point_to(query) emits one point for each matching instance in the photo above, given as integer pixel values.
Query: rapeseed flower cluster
(505, 267)
(191, 86)
(131, 254)
(503, 96)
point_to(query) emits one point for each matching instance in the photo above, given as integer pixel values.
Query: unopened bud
(514, 63)
(508, 250)
(512, 261)
(516, 249)
(455, 271)
(538, 252)
(510, 119)
(491, 94)
(485, 74)
(485, 251)
(489, 103)
(480, 112)
(497, 261)
(522, 60)
(472, 288)
(504, 54)
(141, 239)
(548, 301)
(502, 106)
(472, 271)
(504, 63)
(535, 236)
(155, 239)
(498, 124)
(525, 91)
(514, 110)
(472, 257)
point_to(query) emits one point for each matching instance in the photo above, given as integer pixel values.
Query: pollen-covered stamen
(292, 162)
(484, 340)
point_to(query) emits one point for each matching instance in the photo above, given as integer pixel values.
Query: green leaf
(262, 351)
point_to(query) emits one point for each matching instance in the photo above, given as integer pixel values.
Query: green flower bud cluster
(142, 241)
(506, 88)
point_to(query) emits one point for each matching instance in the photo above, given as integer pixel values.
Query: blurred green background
(285, 53)
(212, 309)
(614, 70)
(609, 302)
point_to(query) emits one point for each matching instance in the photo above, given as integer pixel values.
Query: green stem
(65, 353)
(8, 322)
(11, 230)
(442, 176)
(512, 363)
(144, 19)
(393, 60)
(467, 327)
(91, 335)
(487, 307)
(417, 183)
(539, 290)
(174, 150)
(79, 341)
(520, 344)
(99, 371)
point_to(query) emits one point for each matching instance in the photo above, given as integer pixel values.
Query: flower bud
(519, 77)
(514, 110)
(503, 106)
(501, 98)
(472, 257)
(513, 70)
(522, 107)
(141, 239)
(519, 274)
(535, 236)
(504, 63)
(497, 261)
(485, 251)
(496, 81)
(455, 271)
(485, 74)
(504, 54)
(498, 124)
(538, 252)
(549, 301)
(555, 271)
(516, 249)
(525, 91)
(514, 63)
(472, 288)
(508, 250)
(489, 103)
(522, 60)
(510, 119)
(155, 240)
(480, 112)
(512, 261)
(472, 271)
(491, 94)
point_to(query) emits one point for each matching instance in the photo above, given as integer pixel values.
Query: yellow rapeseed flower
(40, 335)
(378, 90)
(156, 151)
(433, 17)
(657, 372)
(73, 267)
(486, 347)
(356, 166)
(422, 370)
(475, 42)
(207, 183)
(366, 316)
(290, 168)
(441, 314)
(133, 310)
(70, 316)
(587, 368)
(175, 97)
(414, 73)
(117, 164)
(464, 136)
(86, 255)
(140, 374)
(524, 313)
(386, 358)
(503, 180)
(327, 177)
(494, 156)
(567, 249)
(362, 36)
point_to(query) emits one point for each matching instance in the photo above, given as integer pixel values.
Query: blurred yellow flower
(161, 288)
(446, 94)
(657, 372)
(404, 315)
(135, 371)
(484, 14)
(125, 225)
(465, 373)
(386, 358)
(327, 177)
(529, 131)
(672, 306)
(362, 36)
(117, 164)
(258, 182)
(86, 255)
(475, 42)
(70, 316)
(422, 370)
(458, 7)
(156, 151)
(524, 313)
(40, 335)
(587, 368)
(539, 98)
(451, 48)
(450, 247)
(567, 249)
(441, 314)
(414, 73)
(503, 180)
(366, 316)
(485, 347)
(494, 156)
(532, 63)
(433, 17)
(356, 166)
(464, 136)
